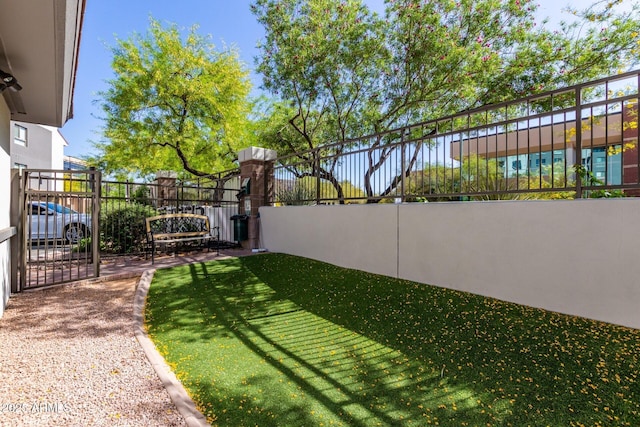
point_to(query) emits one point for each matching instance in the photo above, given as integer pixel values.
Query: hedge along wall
(577, 257)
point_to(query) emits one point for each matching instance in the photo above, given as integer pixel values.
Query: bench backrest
(177, 224)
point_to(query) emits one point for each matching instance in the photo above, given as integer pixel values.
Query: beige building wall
(575, 257)
(596, 132)
(44, 149)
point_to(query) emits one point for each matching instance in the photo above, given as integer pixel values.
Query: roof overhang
(39, 45)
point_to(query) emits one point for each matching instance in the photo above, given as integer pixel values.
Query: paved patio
(117, 267)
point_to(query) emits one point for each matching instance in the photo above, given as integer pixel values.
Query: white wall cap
(257, 153)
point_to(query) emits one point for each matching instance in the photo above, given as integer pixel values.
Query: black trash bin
(240, 227)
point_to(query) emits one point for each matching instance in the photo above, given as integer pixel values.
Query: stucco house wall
(5, 178)
(39, 48)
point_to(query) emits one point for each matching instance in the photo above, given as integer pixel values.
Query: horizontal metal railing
(7, 233)
(579, 141)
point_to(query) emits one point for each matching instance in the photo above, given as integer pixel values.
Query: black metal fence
(68, 220)
(580, 141)
(55, 214)
(125, 205)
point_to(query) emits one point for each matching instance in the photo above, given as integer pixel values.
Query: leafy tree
(487, 177)
(142, 195)
(318, 58)
(343, 71)
(298, 195)
(432, 184)
(175, 104)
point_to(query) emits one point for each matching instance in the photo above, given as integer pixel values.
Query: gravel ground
(69, 357)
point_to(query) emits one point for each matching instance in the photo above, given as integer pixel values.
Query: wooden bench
(179, 228)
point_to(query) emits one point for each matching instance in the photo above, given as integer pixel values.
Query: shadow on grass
(280, 340)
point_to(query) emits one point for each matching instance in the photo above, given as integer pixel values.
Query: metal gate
(59, 213)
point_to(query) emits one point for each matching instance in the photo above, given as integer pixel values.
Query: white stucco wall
(5, 189)
(355, 236)
(576, 257)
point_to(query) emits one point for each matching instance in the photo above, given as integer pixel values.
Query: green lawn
(277, 340)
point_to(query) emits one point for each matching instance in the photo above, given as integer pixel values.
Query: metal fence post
(403, 164)
(16, 243)
(317, 167)
(96, 190)
(578, 166)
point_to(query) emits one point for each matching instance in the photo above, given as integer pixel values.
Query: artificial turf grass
(281, 340)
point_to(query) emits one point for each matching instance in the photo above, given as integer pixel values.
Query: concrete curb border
(179, 395)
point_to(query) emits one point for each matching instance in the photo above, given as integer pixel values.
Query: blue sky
(229, 22)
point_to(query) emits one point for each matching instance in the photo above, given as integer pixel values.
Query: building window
(605, 167)
(20, 135)
(558, 156)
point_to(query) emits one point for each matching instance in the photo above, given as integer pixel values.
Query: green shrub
(300, 194)
(83, 246)
(142, 195)
(122, 228)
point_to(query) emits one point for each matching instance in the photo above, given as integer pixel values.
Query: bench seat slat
(169, 226)
(182, 239)
(194, 234)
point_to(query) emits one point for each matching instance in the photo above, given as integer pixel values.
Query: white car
(51, 221)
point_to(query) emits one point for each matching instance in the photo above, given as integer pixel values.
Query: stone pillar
(166, 191)
(256, 164)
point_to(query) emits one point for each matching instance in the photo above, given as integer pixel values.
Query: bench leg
(217, 241)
